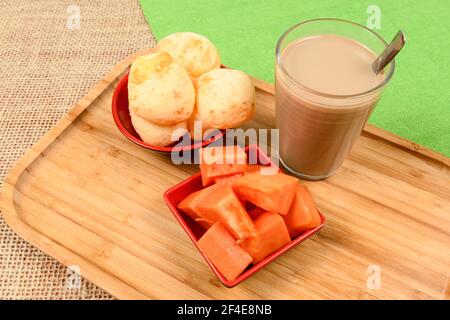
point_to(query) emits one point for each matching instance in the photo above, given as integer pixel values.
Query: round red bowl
(122, 119)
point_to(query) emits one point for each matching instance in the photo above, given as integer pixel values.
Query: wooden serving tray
(87, 196)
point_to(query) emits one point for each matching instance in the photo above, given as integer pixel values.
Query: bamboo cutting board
(89, 197)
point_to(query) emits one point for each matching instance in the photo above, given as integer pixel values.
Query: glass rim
(324, 94)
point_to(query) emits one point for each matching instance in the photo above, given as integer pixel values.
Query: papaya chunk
(303, 214)
(189, 205)
(221, 249)
(225, 205)
(221, 161)
(252, 168)
(227, 179)
(264, 170)
(272, 234)
(273, 193)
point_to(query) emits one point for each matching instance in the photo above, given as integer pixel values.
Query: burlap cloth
(47, 64)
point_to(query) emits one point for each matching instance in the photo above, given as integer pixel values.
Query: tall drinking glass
(325, 91)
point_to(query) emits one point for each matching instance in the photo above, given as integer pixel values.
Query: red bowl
(177, 193)
(122, 119)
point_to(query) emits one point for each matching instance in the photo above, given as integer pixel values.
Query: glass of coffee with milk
(325, 88)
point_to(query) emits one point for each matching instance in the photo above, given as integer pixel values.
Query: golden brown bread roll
(158, 135)
(160, 90)
(195, 52)
(225, 98)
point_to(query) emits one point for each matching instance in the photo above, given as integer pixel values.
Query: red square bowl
(177, 193)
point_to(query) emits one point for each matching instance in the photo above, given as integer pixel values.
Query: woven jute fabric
(51, 54)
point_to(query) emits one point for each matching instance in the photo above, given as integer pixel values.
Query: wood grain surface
(89, 197)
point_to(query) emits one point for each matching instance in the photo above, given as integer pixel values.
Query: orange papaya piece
(272, 234)
(221, 249)
(225, 205)
(221, 161)
(189, 205)
(226, 179)
(303, 214)
(258, 168)
(252, 168)
(273, 193)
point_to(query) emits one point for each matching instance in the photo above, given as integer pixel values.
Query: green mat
(416, 104)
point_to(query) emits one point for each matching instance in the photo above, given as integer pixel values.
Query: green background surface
(416, 104)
